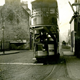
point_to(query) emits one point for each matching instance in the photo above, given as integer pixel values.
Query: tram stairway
(49, 37)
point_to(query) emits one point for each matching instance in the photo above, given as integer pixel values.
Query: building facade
(75, 28)
(16, 22)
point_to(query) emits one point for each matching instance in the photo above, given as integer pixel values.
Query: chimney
(75, 0)
(24, 4)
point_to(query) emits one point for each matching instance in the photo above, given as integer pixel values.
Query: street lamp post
(3, 25)
(3, 39)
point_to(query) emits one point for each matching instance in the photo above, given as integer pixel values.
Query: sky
(65, 14)
(2, 2)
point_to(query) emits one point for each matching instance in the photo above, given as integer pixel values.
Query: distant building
(75, 26)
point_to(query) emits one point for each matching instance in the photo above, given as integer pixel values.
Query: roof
(45, 3)
(27, 10)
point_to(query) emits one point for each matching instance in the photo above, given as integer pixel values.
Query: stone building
(15, 19)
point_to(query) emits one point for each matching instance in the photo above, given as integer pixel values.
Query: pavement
(72, 64)
(9, 52)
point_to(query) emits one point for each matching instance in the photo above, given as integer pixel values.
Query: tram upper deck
(44, 12)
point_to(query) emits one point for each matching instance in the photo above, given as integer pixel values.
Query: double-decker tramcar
(45, 29)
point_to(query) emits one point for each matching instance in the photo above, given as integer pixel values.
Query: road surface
(20, 66)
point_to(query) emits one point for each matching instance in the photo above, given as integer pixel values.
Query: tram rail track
(50, 73)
